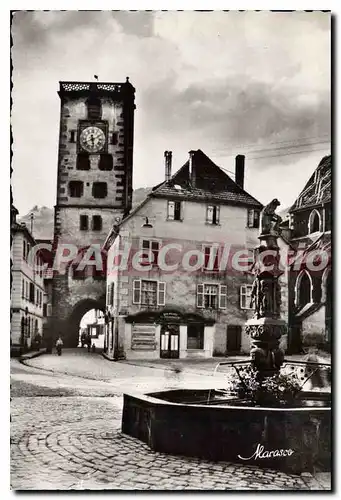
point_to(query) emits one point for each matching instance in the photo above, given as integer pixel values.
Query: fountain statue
(266, 327)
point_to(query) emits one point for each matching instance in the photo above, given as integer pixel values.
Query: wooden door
(169, 342)
(233, 339)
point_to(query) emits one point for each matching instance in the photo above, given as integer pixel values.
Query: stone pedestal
(265, 333)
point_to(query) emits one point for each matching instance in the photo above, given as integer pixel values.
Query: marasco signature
(261, 453)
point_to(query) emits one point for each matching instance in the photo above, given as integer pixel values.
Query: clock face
(92, 139)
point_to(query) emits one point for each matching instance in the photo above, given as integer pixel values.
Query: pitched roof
(211, 184)
(318, 188)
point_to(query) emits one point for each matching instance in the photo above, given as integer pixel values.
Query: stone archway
(73, 322)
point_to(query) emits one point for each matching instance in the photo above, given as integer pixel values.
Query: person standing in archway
(88, 341)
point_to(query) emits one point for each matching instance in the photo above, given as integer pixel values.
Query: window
(44, 310)
(211, 296)
(27, 250)
(151, 247)
(23, 289)
(253, 218)
(212, 214)
(83, 161)
(72, 136)
(83, 223)
(26, 291)
(245, 296)
(37, 297)
(303, 289)
(75, 189)
(114, 138)
(97, 223)
(109, 295)
(211, 256)
(99, 189)
(31, 297)
(24, 250)
(174, 210)
(149, 293)
(195, 336)
(106, 162)
(94, 108)
(314, 223)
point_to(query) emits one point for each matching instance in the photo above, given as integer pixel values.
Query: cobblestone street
(65, 433)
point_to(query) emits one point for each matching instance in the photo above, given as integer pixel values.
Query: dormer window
(314, 224)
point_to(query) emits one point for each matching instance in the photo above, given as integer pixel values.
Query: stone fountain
(216, 425)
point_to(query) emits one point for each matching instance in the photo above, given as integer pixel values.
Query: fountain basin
(179, 422)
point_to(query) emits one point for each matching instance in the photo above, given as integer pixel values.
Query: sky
(228, 83)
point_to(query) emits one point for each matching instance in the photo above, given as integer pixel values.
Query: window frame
(216, 262)
(216, 211)
(95, 185)
(98, 218)
(255, 222)
(72, 186)
(171, 214)
(146, 262)
(243, 294)
(84, 217)
(160, 293)
(221, 296)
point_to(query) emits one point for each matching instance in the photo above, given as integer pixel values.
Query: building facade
(94, 187)
(178, 274)
(310, 282)
(27, 290)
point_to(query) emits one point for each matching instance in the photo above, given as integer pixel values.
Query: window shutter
(200, 295)
(217, 214)
(209, 214)
(250, 216)
(137, 292)
(161, 293)
(222, 296)
(171, 210)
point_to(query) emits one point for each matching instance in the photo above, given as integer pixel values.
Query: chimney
(168, 165)
(191, 168)
(240, 167)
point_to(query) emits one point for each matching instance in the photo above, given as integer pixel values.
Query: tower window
(99, 189)
(106, 162)
(114, 138)
(83, 223)
(94, 108)
(314, 223)
(72, 136)
(97, 223)
(83, 161)
(76, 189)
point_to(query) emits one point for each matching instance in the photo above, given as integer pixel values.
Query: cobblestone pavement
(64, 437)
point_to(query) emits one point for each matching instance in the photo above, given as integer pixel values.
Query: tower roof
(85, 88)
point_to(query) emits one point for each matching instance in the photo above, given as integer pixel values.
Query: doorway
(169, 345)
(233, 339)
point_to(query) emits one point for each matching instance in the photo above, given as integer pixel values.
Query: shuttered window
(211, 296)
(149, 293)
(245, 296)
(212, 214)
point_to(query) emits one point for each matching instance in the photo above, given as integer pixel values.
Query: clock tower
(94, 188)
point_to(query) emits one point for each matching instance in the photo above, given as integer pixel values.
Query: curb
(33, 354)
